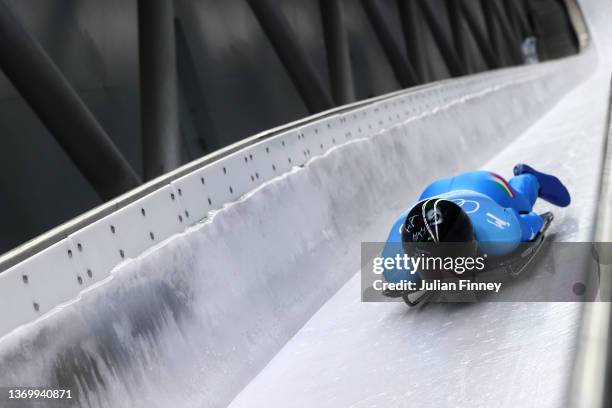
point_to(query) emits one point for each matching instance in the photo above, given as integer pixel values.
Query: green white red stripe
(502, 184)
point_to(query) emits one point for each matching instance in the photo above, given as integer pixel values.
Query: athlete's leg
(551, 188)
(527, 186)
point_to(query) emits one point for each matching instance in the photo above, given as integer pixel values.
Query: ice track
(353, 354)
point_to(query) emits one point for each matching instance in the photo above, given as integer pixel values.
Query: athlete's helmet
(438, 228)
(434, 221)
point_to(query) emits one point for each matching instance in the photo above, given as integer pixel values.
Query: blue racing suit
(500, 212)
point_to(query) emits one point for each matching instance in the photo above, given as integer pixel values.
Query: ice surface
(195, 320)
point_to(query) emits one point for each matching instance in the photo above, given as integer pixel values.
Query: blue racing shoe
(551, 188)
